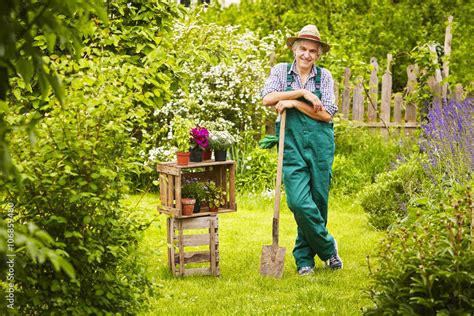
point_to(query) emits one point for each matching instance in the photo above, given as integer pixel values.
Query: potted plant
(215, 196)
(181, 128)
(187, 206)
(195, 190)
(220, 141)
(199, 142)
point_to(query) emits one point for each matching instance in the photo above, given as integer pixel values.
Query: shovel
(273, 256)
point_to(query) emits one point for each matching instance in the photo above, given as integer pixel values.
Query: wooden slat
(386, 91)
(196, 223)
(358, 102)
(195, 240)
(447, 53)
(212, 244)
(171, 211)
(232, 204)
(170, 223)
(177, 194)
(372, 108)
(196, 257)
(410, 107)
(163, 190)
(458, 93)
(167, 169)
(197, 271)
(397, 108)
(346, 94)
(181, 245)
(170, 191)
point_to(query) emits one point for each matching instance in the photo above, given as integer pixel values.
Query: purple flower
(199, 137)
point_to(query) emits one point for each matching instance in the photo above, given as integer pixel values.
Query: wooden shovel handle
(281, 145)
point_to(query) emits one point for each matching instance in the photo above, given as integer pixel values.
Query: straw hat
(308, 32)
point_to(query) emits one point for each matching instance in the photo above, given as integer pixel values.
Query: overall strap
(317, 80)
(289, 78)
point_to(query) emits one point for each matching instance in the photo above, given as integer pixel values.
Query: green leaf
(58, 87)
(87, 219)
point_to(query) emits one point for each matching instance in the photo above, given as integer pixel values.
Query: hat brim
(291, 40)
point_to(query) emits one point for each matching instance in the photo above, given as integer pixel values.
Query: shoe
(335, 262)
(305, 271)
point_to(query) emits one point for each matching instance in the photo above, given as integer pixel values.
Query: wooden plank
(410, 107)
(171, 211)
(435, 89)
(346, 94)
(197, 271)
(181, 245)
(212, 244)
(163, 190)
(170, 222)
(386, 92)
(358, 102)
(447, 53)
(193, 165)
(196, 257)
(195, 240)
(170, 189)
(232, 204)
(177, 194)
(397, 108)
(167, 169)
(196, 223)
(458, 93)
(373, 91)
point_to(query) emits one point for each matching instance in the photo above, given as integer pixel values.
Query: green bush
(73, 179)
(388, 198)
(427, 268)
(347, 177)
(257, 171)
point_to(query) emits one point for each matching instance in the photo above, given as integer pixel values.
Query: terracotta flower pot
(213, 209)
(187, 206)
(207, 154)
(182, 158)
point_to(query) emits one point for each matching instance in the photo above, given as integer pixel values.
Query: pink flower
(199, 137)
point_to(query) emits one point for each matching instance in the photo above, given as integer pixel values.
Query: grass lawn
(240, 289)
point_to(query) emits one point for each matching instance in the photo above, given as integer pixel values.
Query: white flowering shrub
(220, 75)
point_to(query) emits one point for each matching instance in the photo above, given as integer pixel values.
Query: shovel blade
(272, 261)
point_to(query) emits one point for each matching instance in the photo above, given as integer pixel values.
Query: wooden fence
(362, 103)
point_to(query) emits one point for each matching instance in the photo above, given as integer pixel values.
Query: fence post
(410, 111)
(386, 92)
(346, 95)
(458, 93)
(397, 108)
(358, 103)
(447, 53)
(373, 91)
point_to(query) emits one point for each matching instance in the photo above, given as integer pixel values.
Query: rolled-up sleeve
(275, 81)
(327, 92)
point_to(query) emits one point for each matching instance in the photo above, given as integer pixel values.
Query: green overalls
(307, 163)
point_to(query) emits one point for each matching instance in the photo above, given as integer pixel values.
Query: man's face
(306, 53)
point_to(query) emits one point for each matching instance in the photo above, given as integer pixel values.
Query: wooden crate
(173, 176)
(180, 237)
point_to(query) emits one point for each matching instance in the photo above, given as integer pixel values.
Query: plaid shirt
(276, 82)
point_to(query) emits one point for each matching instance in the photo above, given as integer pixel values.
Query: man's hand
(284, 104)
(317, 104)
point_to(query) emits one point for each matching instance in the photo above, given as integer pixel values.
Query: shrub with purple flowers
(199, 137)
(448, 141)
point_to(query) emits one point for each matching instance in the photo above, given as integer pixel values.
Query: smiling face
(306, 53)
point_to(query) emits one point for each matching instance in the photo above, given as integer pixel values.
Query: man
(306, 93)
